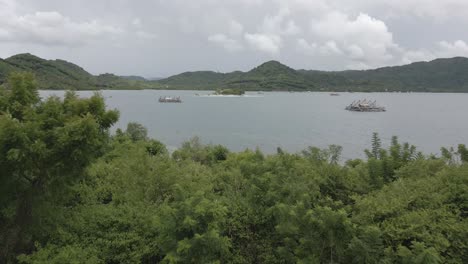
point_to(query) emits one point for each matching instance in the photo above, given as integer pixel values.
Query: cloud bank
(167, 37)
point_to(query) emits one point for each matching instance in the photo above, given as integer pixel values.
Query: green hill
(60, 74)
(440, 75)
(271, 75)
(50, 74)
(194, 80)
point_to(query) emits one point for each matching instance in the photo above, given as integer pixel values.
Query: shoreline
(263, 91)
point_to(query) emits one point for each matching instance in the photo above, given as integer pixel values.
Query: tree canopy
(70, 192)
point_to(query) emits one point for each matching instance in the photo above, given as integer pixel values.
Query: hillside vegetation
(440, 75)
(71, 192)
(63, 75)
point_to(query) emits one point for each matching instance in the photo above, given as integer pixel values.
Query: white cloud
(264, 42)
(436, 9)
(330, 48)
(140, 32)
(235, 28)
(279, 24)
(250, 2)
(229, 44)
(358, 66)
(7, 6)
(363, 39)
(270, 33)
(457, 48)
(51, 28)
(355, 52)
(291, 28)
(442, 49)
(309, 7)
(411, 56)
(306, 47)
(231, 41)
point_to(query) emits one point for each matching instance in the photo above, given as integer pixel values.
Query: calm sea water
(294, 121)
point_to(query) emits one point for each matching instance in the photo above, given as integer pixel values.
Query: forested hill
(440, 75)
(60, 74)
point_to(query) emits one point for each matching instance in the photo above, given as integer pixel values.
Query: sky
(159, 38)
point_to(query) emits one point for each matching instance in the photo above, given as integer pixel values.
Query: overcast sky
(157, 38)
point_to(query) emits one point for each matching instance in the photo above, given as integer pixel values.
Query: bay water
(293, 121)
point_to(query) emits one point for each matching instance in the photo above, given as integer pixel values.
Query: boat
(365, 106)
(169, 99)
(334, 94)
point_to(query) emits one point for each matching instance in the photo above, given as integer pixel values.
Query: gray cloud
(162, 37)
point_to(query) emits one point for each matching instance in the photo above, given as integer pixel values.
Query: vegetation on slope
(51, 74)
(63, 75)
(201, 80)
(271, 75)
(440, 75)
(111, 81)
(72, 193)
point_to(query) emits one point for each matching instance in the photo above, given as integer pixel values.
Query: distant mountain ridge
(439, 75)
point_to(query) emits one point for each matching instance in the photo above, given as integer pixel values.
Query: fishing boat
(169, 99)
(365, 106)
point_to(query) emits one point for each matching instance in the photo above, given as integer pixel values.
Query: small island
(229, 92)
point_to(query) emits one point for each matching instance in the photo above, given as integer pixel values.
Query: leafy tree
(154, 147)
(418, 254)
(367, 246)
(136, 131)
(376, 147)
(194, 150)
(331, 155)
(453, 156)
(463, 152)
(44, 147)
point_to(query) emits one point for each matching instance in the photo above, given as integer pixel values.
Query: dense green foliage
(63, 75)
(72, 193)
